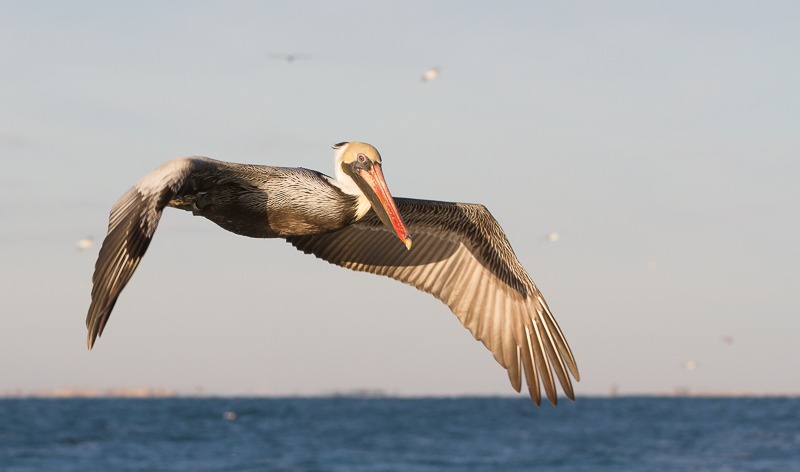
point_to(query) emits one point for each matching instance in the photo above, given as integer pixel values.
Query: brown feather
(462, 257)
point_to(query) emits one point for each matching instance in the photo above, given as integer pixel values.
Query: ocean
(399, 434)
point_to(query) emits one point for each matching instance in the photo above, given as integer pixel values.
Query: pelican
(460, 255)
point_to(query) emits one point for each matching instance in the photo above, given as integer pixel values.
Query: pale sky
(658, 139)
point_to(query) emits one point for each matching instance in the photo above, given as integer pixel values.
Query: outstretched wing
(461, 256)
(131, 225)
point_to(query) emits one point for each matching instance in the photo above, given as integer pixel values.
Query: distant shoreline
(156, 393)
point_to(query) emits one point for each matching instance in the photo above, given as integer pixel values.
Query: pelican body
(460, 255)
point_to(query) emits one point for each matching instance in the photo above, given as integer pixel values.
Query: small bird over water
(430, 74)
(289, 58)
(85, 243)
(460, 255)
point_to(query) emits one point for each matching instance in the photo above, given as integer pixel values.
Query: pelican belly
(283, 202)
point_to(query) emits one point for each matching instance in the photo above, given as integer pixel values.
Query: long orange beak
(374, 178)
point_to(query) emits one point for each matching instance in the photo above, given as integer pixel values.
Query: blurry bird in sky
(85, 243)
(289, 58)
(553, 237)
(430, 74)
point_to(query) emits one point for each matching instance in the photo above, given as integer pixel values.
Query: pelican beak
(383, 203)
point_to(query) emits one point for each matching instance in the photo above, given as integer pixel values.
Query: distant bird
(289, 58)
(85, 243)
(430, 74)
(460, 256)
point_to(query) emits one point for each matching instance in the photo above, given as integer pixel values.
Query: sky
(658, 139)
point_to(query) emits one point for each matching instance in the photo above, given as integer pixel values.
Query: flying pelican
(460, 256)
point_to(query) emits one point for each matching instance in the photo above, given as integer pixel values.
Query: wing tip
(536, 396)
(93, 333)
(573, 368)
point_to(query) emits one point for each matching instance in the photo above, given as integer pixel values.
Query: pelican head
(358, 172)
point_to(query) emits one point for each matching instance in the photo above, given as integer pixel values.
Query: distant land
(80, 392)
(160, 392)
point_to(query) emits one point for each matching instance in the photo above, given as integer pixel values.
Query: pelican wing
(461, 256)
(131, 225)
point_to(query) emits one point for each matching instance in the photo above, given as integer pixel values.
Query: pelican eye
(361, 158)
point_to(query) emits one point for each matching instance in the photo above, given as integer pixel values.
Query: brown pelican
(460, 254)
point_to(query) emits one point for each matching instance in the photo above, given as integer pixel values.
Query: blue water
(389, 434)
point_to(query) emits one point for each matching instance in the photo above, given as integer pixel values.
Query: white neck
(347, 185)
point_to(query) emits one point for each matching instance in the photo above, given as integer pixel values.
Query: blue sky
(658, 139)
